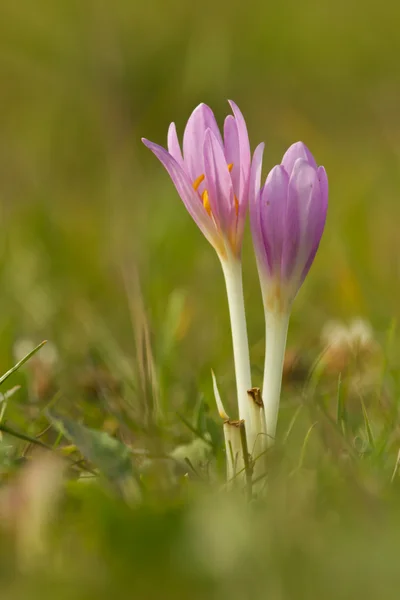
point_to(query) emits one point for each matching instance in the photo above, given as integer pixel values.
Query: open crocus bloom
(287, 219)
(211, 175)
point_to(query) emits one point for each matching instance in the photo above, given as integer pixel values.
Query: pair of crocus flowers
(218, 180)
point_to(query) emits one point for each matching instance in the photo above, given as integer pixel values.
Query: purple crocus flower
(211, 175)
(287, 220)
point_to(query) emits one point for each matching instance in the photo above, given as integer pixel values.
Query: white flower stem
(232, 269)
(276, 327)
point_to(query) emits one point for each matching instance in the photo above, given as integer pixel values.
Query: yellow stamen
(204, 196)
(236, 206)
(206, 202)
(198, 181)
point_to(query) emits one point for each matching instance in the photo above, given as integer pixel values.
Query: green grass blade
(21, 362)
(341, 406)
(304, 446)
(367, 422)
(23, 436)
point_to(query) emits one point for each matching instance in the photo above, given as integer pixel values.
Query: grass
(100, 258)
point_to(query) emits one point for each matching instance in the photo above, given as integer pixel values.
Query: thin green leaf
(190, 464)
(194, 430)
(367, 422)
(200, 415)
(396, 468)
(341, 406)
(388, 350)
(23, 436)
(304, 446)
(292, 423)
(315, 374)
(4, 400)
(21, 362)
(8, 394)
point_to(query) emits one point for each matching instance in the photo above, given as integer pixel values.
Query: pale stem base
(276, 327)
(235, 465)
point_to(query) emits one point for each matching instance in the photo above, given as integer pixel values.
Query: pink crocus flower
(287, 220)
(287, 217)
(211, 175)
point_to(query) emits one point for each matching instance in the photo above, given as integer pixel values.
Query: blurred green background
(83, 200)
(100, 257)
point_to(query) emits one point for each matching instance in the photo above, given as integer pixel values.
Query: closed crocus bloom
(288, 217)
(211, 175)
(287, 220)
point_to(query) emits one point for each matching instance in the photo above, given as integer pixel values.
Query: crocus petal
(174, 147)
(297, 150)
(273, 216)
(302, 216)
(318, 206)
(255, 174)
(298, 188)
(185, 190)
(232, 151)
(245, 155)
(310, 213)
(320, 212)
(254, 204)
(313, 251)
(201, 119)
(323, 181)
(218, 182)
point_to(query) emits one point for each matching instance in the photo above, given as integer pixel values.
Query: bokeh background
(84, 201)
(98, 254)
